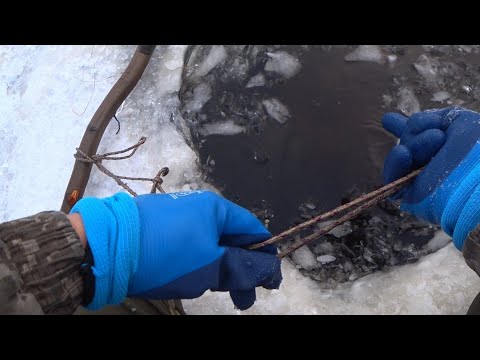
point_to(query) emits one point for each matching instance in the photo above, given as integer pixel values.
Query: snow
(283, 63)
(222, 128)
(369, 53)
(49, 94)
(276, 110)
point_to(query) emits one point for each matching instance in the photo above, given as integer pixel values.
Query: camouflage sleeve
(471, 250)
(40, 259)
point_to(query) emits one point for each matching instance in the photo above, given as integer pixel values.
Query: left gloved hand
(176, 246)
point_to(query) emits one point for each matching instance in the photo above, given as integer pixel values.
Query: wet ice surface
(49, 96)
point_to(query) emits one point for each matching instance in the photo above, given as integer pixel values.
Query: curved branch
(95, 129)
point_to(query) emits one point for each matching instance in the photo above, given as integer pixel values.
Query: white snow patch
(369, 53)
(276, 110)
(222, 128)
(283, 63)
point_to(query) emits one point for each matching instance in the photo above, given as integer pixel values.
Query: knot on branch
(97, 159)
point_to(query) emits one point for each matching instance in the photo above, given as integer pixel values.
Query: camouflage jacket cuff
(40, 259)
(471, 249)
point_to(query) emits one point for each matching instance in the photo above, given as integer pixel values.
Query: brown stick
(391, 188)
(95, 129)
(333, 225)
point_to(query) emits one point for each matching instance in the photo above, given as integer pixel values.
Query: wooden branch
(377, 194)
(95, 129)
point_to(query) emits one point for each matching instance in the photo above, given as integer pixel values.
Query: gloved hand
(176, 246)
(447, 191)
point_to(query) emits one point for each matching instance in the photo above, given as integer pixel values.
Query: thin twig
(393, 187)
(98, 158)
(135, 147)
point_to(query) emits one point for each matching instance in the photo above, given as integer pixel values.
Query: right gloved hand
(447, 191)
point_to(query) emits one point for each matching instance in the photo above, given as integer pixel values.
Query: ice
(216, 56)
(392, 58)
(283, 63)
(49, 94)
(222, 128)
(256, 81)
(305, 258)
(407, 102)
(201, 94)
(276, 110)
(440, 240)
(369, 53)
(440, 96)
(440, 283)
(339, 231)
(426, 67)
(325, 259)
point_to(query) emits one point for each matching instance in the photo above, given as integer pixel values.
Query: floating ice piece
(283, 63)
(201, 94)
(305, 258)
(216, 56)
(257, 80)
(276, 110)
(392, 58)
(339, 231)
(426, 67)
(325, 259)
(407, 102)
(222, 128)
(440, 96)
(370, 53)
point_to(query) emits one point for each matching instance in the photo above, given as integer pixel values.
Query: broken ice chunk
(392, 58)
(216, 56)
(276, 110)
(257, 80)
(201, 94)
(408, 102)
(370, 53)
(283, 63)
(339, 231)
(222, 128)
(325, 259)
(305, 258)
(427, 68)
(440, 96)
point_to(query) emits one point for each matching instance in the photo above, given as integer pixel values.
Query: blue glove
(447, 191)
(176, 246)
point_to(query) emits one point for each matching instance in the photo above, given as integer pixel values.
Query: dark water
(331, 143)
(331, 147)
